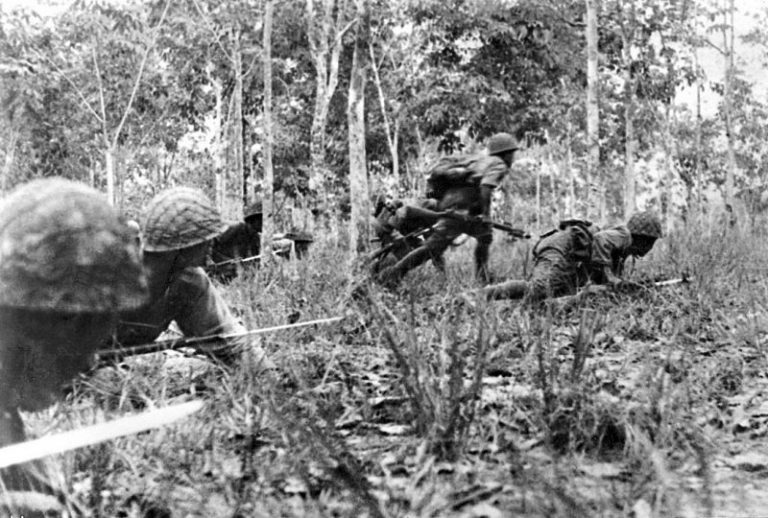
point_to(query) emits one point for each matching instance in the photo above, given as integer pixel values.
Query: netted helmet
(179, 218)
(254, 209)
(502, 142)
(645, 224)
(63, 248)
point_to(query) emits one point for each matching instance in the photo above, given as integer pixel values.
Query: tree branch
(141, 73)
(73, 85)
(209, 23)
(102, 103)
(721, 51)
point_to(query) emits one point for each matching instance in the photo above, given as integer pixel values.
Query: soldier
(68, 264)
(468, 196)
(242, 240)
(179, 225)
(578, 253)
(395, 221)
(239, 240)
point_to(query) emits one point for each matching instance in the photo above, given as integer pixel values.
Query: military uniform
(393, 221)
(191, 301)
(68, 264)
(467, 202)
(178, 228)
(570, 257)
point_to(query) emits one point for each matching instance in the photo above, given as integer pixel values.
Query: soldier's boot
(514, 289)
(391, 277)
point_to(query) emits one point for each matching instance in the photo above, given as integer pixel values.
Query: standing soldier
(462, 185)
(578, 253)
(178, 228)
(68, 264)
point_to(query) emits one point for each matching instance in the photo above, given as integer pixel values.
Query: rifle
(94, 434)
(236, 260)
(432, 216)
(384, 250)
(114, 355)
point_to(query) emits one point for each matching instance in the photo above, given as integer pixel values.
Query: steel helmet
(64, 248)
(254, 209)
(502, 142)
(645, 224)
(179, 218)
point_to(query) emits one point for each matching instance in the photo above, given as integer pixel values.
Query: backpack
(449, 172)
(583, 233)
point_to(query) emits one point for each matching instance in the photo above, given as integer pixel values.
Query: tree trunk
(325, 42)
(109, 169)
(571, 173)
(697, 158)
(728, 47)
(593, 113)
(268, 190)
(538, 198)
(391, 135)
(235, 191)
(629, 124)
(10, 155)
(216, 146)
(669, 169)
(358, 177)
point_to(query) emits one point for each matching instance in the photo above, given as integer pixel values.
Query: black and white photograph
(383, 258)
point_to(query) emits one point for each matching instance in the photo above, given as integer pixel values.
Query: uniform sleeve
(493, 171)
(609, 243)
(200, 308)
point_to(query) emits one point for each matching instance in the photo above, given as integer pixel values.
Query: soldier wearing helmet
(239, 240)
(468, 196)
(178, 227)
(68, 265)
(578, 252)
(394, 220)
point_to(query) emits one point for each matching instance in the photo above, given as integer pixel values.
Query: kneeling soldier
(396, 222)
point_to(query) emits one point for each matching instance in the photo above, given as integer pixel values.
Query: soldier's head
(68, 265)
(504, 146)
(254, 215)
(382, 201)
(645, 228)
(179, 225)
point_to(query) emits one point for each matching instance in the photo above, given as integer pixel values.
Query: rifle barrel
(116, 354)
(94, 434)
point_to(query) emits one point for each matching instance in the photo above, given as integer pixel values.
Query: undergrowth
(421, 404)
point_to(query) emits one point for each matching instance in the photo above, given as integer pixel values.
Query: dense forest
(134, 96)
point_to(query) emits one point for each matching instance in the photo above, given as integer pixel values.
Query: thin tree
(358, 174)
(728, 32)
(627, 26)
(324, 34)
(593, 108)
(268, 186)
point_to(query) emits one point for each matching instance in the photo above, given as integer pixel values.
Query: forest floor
(650, 403)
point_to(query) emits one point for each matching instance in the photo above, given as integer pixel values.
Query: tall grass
(417, 405)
